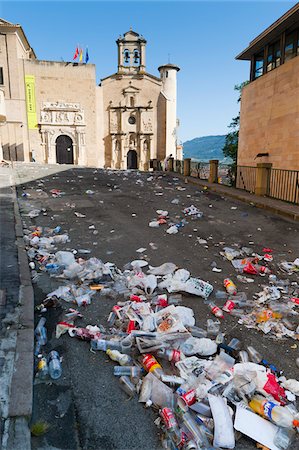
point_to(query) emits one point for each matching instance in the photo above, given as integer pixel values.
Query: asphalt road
(85, 408)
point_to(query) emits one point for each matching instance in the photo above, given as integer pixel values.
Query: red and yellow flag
(81, 55)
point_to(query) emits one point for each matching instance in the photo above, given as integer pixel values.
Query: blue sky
(202, 38)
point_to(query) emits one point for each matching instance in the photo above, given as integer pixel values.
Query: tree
(230, 148)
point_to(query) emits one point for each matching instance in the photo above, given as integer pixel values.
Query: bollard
(170, 164)
(263, 171)
(187, 167)
(213, 177)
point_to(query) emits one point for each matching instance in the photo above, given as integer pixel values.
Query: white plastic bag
(65, 258)
(200, 346)
(172, 230)
(198, 287)
(164, 269)
(223, 424)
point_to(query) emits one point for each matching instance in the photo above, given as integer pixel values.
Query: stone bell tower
(131, 53)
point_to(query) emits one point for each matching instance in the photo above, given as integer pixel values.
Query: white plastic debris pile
(203, 388)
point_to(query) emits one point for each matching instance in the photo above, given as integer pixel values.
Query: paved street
(86, 408)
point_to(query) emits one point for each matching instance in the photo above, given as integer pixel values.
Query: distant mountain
(205, 148)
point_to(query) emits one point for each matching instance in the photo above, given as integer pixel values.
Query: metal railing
(283, 185)
(199, 169)
(246, 178)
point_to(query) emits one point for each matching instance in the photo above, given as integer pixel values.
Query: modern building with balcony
(269, 118)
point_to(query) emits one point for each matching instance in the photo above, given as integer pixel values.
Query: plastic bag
(65, 258)
(172, 230)
(198, 287)
(164, 269)
(224, 431)
(200, 346)
(181, 275)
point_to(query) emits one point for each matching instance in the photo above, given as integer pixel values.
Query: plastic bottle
(41, 332)
(213, 327)
(127, 385)
(280, 415)
(131, 371)
(254, 355)
(230, 286)
(54, 365)
(170, 355)
(151, 365)
(115, 355)
(42, 367)
(171, 426)
(243, 356)
(102, 344)
(216, 310)
(284, 438)
(197, 332)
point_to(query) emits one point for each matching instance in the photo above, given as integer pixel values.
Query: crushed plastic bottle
(280, 415)
(54, 365)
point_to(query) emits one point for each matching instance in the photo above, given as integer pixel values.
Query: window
(131, 101)
(132, 120)
(136, 56)
(290, 45)
(258, 64)
(127, 56)
(274, 55)
(1, 75)
(166, 73)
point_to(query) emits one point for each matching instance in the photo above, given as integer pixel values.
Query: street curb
(21, 396)
(238, 196)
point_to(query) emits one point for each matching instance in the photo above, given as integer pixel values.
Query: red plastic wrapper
(267, 250)
(131, 326)
(273, 388)
(250, 269)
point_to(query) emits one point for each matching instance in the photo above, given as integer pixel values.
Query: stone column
(120, 56)
(44, 147)
(123, 157)
(187, 167)
(142, 57)
(262, 180)
(170, 164)
(213, 177)
(51, 148)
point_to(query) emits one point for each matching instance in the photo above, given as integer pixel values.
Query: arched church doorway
(64, 150)
(132, 159)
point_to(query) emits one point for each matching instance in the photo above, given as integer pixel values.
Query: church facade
(56, 112)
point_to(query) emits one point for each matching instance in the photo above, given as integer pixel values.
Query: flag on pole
(76, 54)
(86, 56)
(81, 55)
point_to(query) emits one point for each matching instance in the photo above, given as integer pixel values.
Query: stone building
(269, 121)
(56, 113)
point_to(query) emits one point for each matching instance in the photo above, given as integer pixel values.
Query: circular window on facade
(132, 120)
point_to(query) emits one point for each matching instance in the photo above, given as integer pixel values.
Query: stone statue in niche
(145, 146)
(116, 154)
(132, 141)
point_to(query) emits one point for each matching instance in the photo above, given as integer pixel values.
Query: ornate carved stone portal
(62, 118)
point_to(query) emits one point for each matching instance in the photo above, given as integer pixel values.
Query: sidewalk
(16, 323)
(287, 210)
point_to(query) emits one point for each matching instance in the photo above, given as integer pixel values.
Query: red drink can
(187, 399)
(229, 306)
(168, 418)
